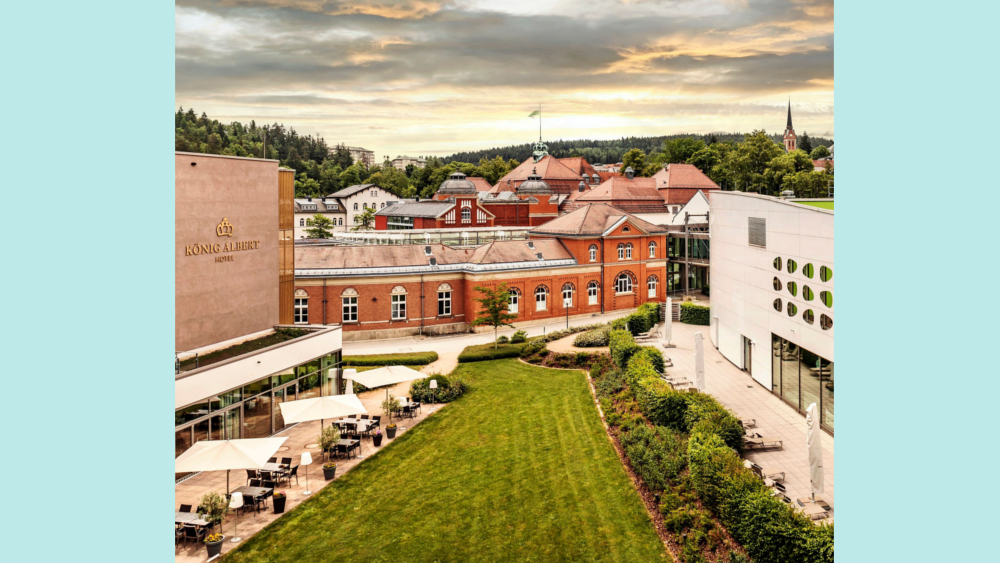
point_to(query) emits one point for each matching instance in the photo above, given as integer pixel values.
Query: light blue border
(917, 234)
(88, 315)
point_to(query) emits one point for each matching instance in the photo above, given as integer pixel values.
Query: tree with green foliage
(387, 177)
(353, 175)
(788, 163)
(743, 168)
(634, 159)
(319, 227)
(807, 184)
(680, 150)
(364, 221)
(495, 311)
(819, 152)
(307, 187)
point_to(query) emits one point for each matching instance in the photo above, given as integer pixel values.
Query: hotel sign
(224, 229)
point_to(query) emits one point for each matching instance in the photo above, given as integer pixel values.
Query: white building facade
(307, 208)
(772, 295)
(355, 199)
(401, 162)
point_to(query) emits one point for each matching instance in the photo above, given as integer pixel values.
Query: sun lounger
(778, 477)
(652, 333)
(819, 500)
(748, 422)
(814, 511)
(762, 442)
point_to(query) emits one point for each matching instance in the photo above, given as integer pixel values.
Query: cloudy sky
(425, 77)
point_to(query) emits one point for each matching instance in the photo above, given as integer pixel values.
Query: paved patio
(299, 437)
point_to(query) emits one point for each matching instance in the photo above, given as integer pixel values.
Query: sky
(427, 77)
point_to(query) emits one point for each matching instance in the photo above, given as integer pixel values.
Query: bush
(533, 348)
(695, 314)
(661, 404)
(487, 352)
(519, 337)
(447, 391)
(379, 360)
(654, 356)
(593, 338)
(503, 340)
(623, 346)
(643, 319)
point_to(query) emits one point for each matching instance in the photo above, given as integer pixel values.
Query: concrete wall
(225, 286)
(742, 277)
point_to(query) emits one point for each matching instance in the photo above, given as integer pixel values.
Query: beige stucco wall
(222, 294)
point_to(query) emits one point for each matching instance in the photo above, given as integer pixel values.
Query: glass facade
(800, 378)
(697, 248)
(252, 411)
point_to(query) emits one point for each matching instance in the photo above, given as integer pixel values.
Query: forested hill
(605, 152)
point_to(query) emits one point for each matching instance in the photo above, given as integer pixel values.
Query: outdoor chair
(293, 473)
(353, 416)
(249, 503)
(776, 477)
(269, 485)
(251, 474)
(178, 534)
(748, 423)
(266, 475)
(193, 533)
(287, 461)
(365, 417)
(783, 497)
(254, 482)
(185, 508)
(378, 420)
(762, 442)
(273, 460)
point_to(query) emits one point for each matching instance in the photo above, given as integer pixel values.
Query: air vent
(434, 262)
(531, 245)
(427, 250)
(539, 255)
(757, 230)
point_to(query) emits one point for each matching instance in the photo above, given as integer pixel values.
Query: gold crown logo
(225, 228)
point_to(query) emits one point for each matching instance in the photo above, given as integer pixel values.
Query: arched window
(444, 300)
(567, 293)
(513, 301)
(623, 283)
(302, 222)
(621, 251)
(466, 215)
(301, 307)
(628, 251)
(541, 298)
(651, 286)
(349, 298)
(398, 303)
(593, 253)
(625, 229)
(652, 250)
(592, 290)
(355, 206)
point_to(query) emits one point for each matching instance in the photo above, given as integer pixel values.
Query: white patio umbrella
(668, 324)
(815, 450)
(389, 375)
(699, 361)
(218, 455)
(321, 408)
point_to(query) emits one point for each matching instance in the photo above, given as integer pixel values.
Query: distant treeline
(612, 151)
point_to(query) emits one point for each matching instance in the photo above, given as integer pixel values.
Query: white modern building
(401, 162)
(772, 295)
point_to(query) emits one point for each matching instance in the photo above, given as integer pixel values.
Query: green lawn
(820, 204)
(519, 469)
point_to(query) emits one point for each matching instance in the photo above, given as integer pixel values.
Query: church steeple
(790, 138)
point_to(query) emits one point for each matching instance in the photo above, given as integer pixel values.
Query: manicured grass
(401, 359)
(519, 469)
(821, 204)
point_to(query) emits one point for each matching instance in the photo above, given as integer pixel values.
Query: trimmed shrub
(640, 368)
(379, 360)
(503, 340)
(519, 337)
(695, 314)
(593, 338)
(485, 352)
(533, 348)
(623, 346)
(654, 356)
(661, 404)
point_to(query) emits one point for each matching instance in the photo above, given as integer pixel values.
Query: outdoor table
(363, 423)
(351, 444)
(255, 492)
(189, 518)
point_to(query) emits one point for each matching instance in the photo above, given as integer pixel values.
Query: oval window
(825, 274)
(807, 271)
(792, 309)
(808, 316)
(827, 298)
(777, 263)
(791, 266)
(777, 284)
(777, 304)
(792, 288)
(825, 322)
(807, 293)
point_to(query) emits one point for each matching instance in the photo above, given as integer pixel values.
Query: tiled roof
(620, 188)
(507, 251)
(821, 163)
(592, 220)
(548, 168)
(368, 256)
(683, 176)
(409, 208)
(316, 205)
(605, 175)
(579, 165)
(481, 184)
(351, 190)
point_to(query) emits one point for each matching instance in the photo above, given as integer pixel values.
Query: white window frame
(302, 222)
(593, 253)
(651, 284)
(355, 206)
(652, 249)
(620, 281)
(541, 298)
(513, 301)
(398, 306)
(568, 288)
(628, 251)
(444, 303)
(621, 251)
(466, 215)
(349, 309)
(592, 292)
(301, 310)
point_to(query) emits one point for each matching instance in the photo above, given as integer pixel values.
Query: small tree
(365, 220)
(319, 227)
(819, 152)
(329, 437)
(494, 312)
(214, 507)
(390, 406)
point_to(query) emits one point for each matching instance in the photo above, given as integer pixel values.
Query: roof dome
(534, 185)
(456, 184)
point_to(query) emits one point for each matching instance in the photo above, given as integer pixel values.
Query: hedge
(695, 314)
(404, 359)
(598, 337)
(623, 346)
(448, 389)
(485, 352)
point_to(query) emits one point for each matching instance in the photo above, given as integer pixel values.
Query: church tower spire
(790, 138)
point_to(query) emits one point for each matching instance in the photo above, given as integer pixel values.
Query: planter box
(214, 548)
(329, 473)
(390, 432)
(279, 504)
(377, 440)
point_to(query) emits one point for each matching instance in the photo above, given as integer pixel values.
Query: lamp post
(236, 502)
(433, 386)
(307, 461)
(567, 302)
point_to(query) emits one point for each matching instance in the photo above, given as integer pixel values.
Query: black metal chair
(193, 533)
(378, 420)
(269, 485)
(286, 461)
(365, 417)
(266, 475)
(254, 482)
(185, 508)
(249, 503)
(293, 473)
(251, 474)
(178, 534)
(353, 416)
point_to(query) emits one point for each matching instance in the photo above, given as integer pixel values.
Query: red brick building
(455, 205)
(677, 184)
(598, 257)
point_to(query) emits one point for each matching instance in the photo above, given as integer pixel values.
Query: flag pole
(539, 123)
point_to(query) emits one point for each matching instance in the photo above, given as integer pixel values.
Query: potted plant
(279, 502)
(213, 507)
(377, 438)
(328, 438)
(391, 431)
(329, 470)
(390, 406)
(213, 543)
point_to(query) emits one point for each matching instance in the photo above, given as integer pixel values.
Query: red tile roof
(821, 163)
(605, 175)
(481, 184)
(592, 220)
(579, 165)
(503, 252)
(620, 188)
(557, 175)
(683, 176)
